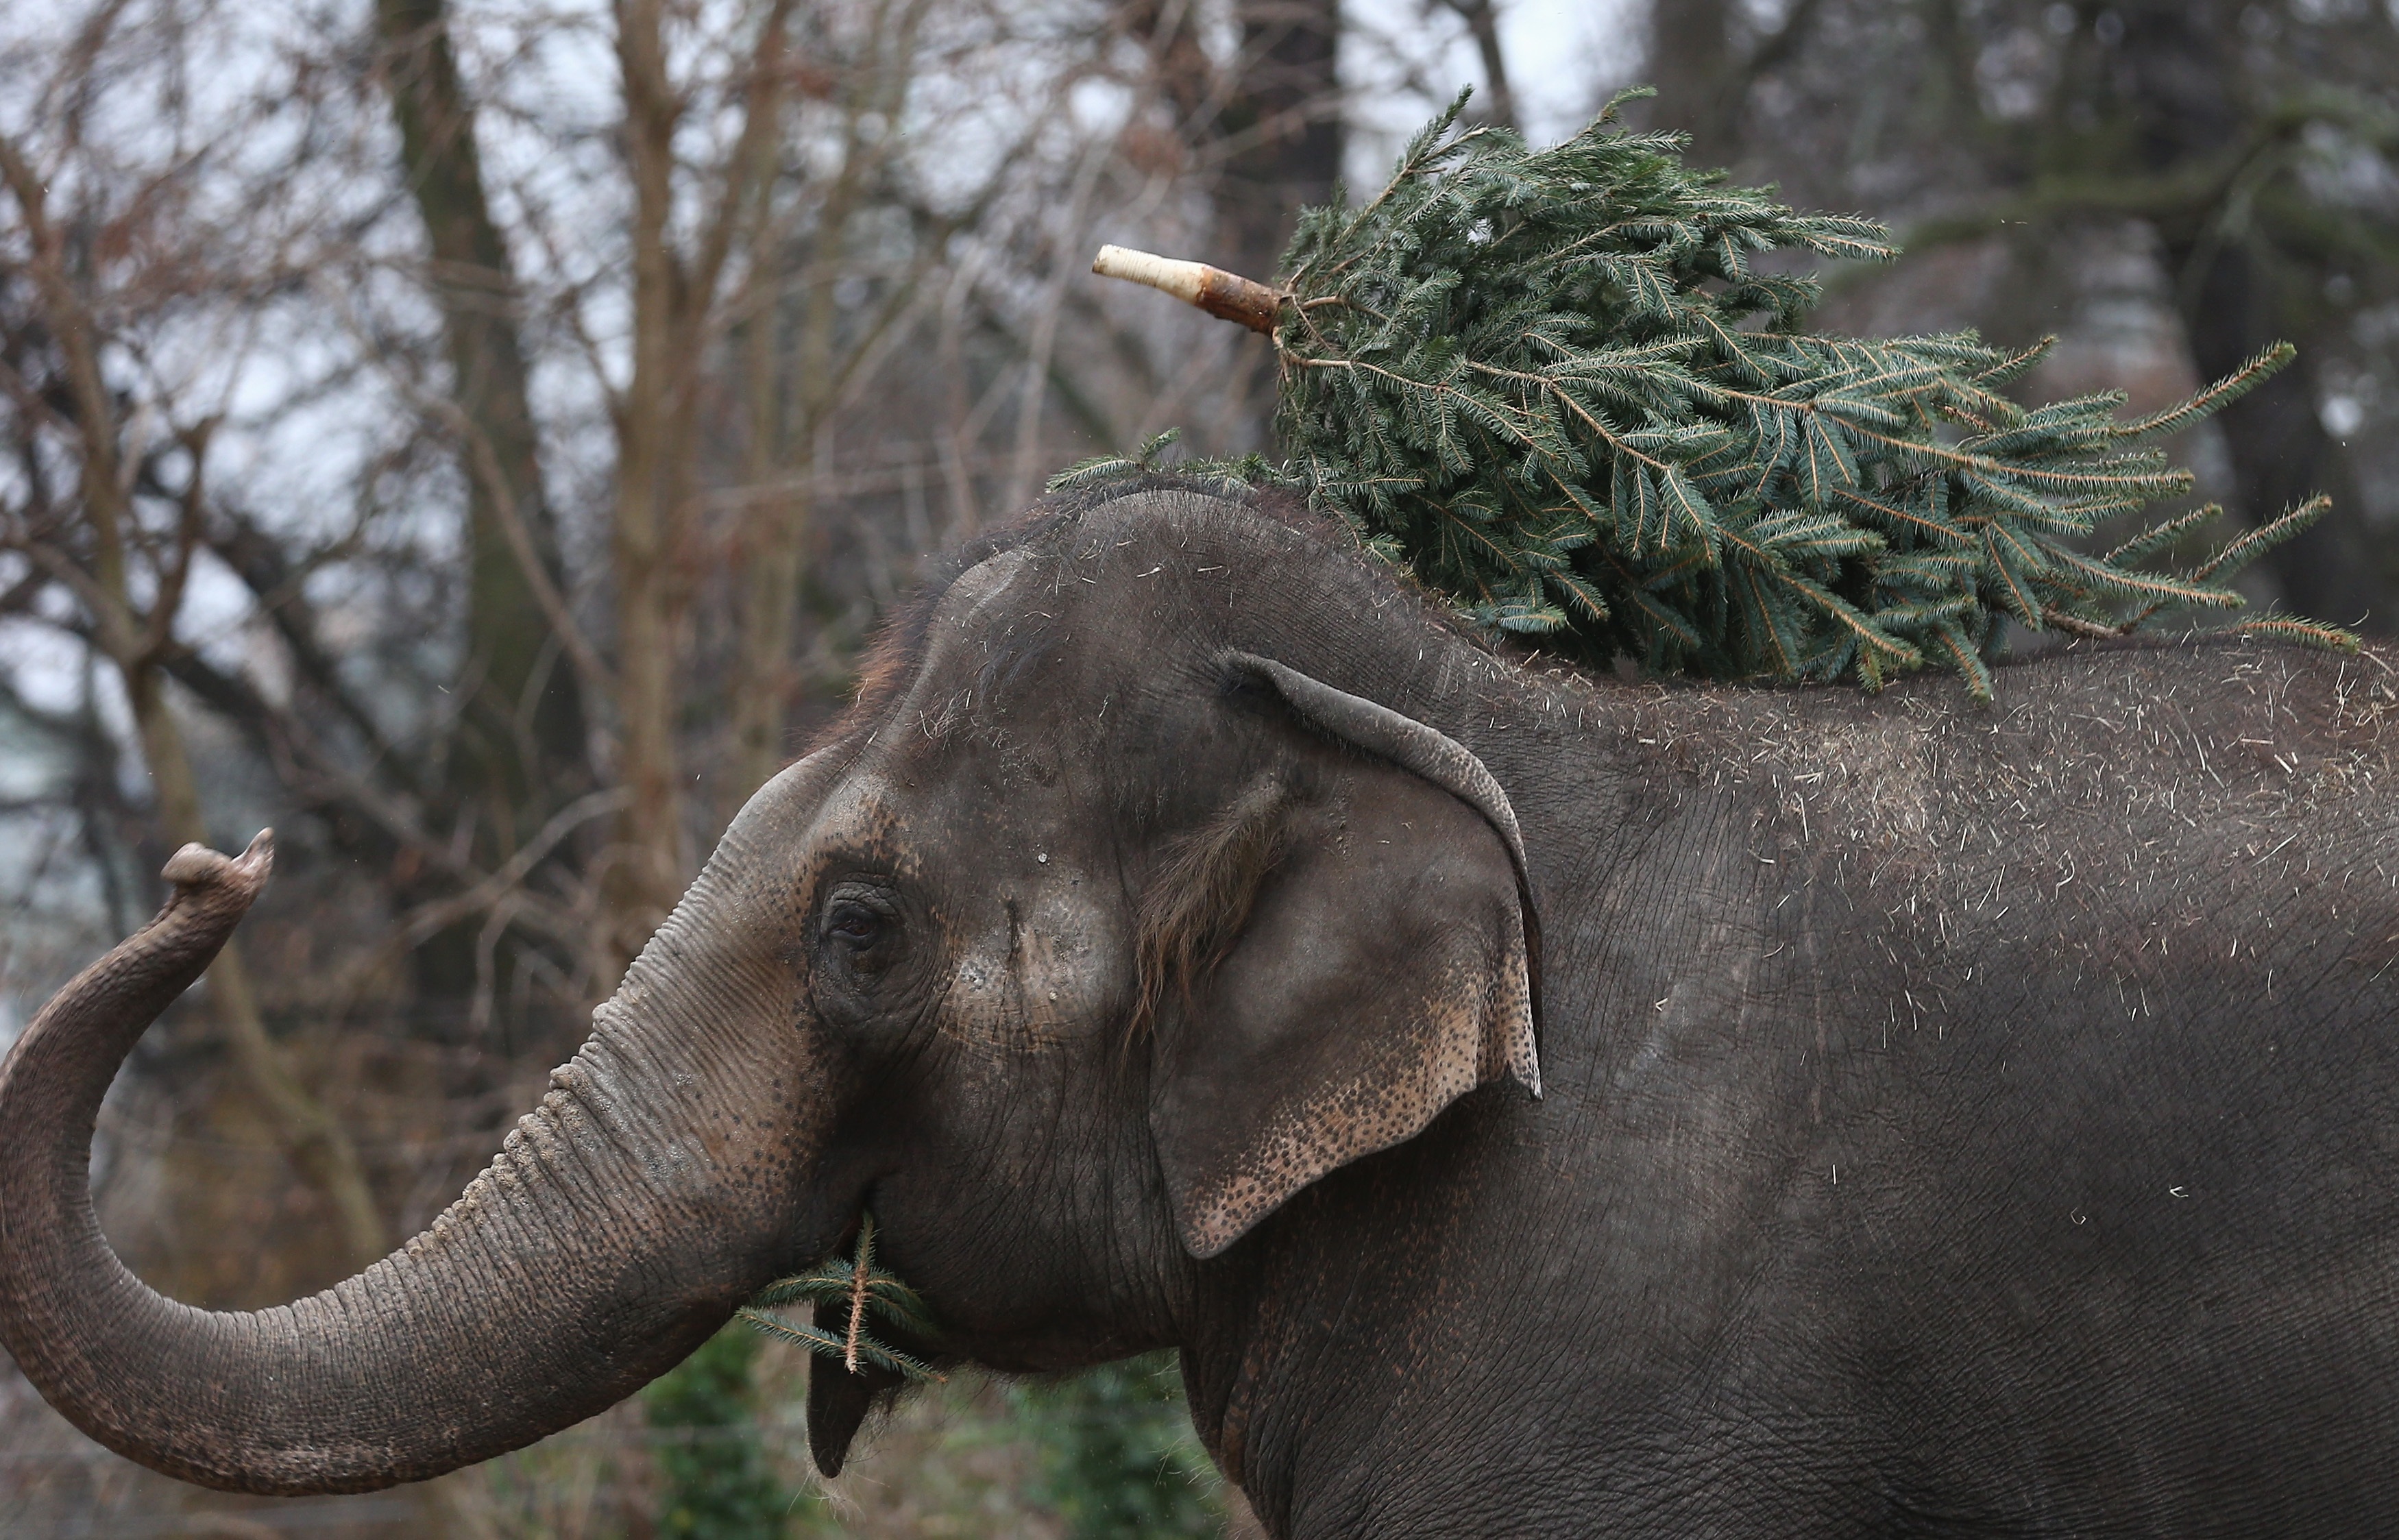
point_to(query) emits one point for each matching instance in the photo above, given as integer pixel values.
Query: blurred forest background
(475, 437)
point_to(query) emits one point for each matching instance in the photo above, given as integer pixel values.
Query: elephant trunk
(653, 1190)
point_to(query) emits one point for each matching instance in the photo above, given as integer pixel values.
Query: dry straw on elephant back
(1554, 385)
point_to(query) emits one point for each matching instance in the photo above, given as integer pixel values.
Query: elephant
(1531, 1101)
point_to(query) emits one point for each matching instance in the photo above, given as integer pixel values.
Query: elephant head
(1118, 910)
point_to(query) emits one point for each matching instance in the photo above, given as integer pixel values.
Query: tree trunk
(675, 311)
(1496, 103)
(526, 756)
(2178, 69)
(1283, 120)
(1281, 123)
(801, 355)
(776, 459)
(2281, 454)
(1690, 62)
(652, 449)
(520, 753)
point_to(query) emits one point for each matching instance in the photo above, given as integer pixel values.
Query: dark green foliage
(1119, 1461)
(1559, 386)
(714, 1483)
(868, 1292)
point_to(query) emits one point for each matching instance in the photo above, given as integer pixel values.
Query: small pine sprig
(866, 1288)
(1558, 385)
(1224, 475)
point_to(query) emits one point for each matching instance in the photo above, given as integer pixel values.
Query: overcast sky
(1564, 57)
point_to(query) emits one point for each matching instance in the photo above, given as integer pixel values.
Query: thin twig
(857, 1281)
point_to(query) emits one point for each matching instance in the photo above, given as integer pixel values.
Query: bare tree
(94, 544)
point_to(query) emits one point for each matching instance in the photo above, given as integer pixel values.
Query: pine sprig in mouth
(858, 1282)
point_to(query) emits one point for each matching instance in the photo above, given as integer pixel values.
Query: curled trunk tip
(196, 870)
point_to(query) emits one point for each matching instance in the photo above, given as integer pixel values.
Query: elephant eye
(855, 925)
(859, 927)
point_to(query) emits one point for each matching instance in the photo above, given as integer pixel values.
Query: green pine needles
(1558, 385)
(865, 1289)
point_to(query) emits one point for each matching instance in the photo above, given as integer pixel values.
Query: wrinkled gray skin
(1955, 1120)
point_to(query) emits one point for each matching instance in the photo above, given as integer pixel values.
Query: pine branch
(2307, 633)
(864, 1288)
(1554, 383)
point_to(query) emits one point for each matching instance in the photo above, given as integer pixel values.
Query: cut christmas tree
(1556, 386)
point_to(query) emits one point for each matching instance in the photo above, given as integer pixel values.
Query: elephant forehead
(860, 814)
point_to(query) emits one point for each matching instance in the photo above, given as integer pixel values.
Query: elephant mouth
(866, 1304)
(867, 1334)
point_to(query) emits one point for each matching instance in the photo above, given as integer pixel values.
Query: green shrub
(1118, 1459)
(715, 1483)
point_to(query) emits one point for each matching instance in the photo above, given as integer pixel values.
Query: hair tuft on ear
(1196, 904)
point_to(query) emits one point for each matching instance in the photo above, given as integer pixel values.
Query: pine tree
(1558, 385)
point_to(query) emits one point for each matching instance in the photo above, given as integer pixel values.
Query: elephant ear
(1349, 947)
